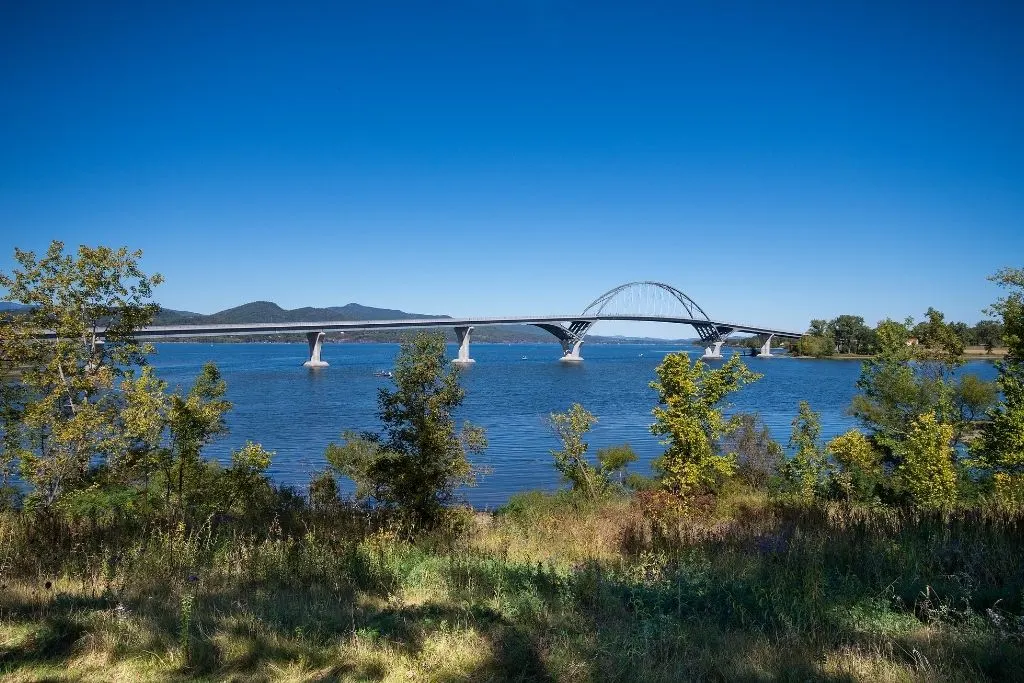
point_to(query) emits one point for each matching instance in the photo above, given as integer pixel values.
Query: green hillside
(270, 312)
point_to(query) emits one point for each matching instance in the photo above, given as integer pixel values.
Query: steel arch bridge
(651, 301)
(645, 301)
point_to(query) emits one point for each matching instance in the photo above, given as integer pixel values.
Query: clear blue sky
(777, 161)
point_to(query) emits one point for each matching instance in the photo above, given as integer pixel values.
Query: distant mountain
(11, 306)
(269, 312)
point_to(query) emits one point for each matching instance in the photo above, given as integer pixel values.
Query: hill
(270, 312)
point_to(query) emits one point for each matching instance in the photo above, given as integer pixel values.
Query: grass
(548, 588)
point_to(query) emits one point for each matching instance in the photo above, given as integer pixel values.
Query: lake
(510, 391)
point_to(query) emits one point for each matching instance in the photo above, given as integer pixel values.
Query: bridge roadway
(571, 337)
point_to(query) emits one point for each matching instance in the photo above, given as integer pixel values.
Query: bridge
(633, 301)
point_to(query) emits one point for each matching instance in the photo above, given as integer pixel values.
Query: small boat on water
(384, 373)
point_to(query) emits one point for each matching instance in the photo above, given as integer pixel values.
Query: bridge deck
(235, 329)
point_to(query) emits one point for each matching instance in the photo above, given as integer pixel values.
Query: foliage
(1000, 450)
(415, 465)
(926, 474)
(689, 416)
(859, 466)
(759, 458)
(843, 334)
(851, 335)
(908, 378)
(193, 421)
(571, 461)
(69, 417)
(973, 397)
(816, 346)
(805, 471)
(612, 462)
(987, 333)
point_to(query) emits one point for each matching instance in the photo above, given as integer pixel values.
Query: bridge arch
(645, 300)
(654, 298)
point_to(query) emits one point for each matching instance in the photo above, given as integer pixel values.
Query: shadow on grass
(782, 601)
(52, 641)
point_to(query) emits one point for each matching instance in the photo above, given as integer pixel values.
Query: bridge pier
(766, 350)
(571, 350)
(315, 340)
(463, 333)
(713, 352)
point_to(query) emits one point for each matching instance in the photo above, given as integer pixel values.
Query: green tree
(805, 472)
(814, 346)
(689, 417)
(859, 465)
(612, 462)
(850, 333)
(70, 351)
(759, 458)
(973, 397)
(416, 464)
(193, 421)
(906, 379)
(1000, 450)
(988, 333)
(819, 328)
(571, 460)
(926, 474)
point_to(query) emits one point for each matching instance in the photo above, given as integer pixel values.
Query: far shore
(970, 353)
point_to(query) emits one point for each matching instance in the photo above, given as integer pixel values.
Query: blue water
(510, 391)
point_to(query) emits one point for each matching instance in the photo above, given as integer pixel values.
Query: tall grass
(549, 587)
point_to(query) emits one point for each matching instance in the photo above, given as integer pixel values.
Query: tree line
(90, 433)
(850, 334)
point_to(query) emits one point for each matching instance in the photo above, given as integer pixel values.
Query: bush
(571, 461)
(926, 474)
(759, 458)
(805, 472)
(414, 466)
(689, 416)
(859, 466)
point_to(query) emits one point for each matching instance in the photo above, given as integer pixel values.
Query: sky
(777, 161)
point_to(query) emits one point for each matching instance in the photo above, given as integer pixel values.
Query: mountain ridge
(271, 312)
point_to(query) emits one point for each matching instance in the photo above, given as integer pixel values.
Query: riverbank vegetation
(887, 553)
(849, 336)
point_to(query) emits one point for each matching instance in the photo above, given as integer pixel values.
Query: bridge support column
(463, 334)
(315, 340)
(713, 352)
(766, 350)
(571, 351)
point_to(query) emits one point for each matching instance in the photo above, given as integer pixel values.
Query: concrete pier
(315, 340)
(463, 334)
(571, 351)
(713, 352)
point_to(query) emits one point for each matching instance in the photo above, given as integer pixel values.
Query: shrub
(759, 458)
(415, 465)
(805, 472)
(689, 416)
(571, 460)
(926, 474)
(859, 466)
